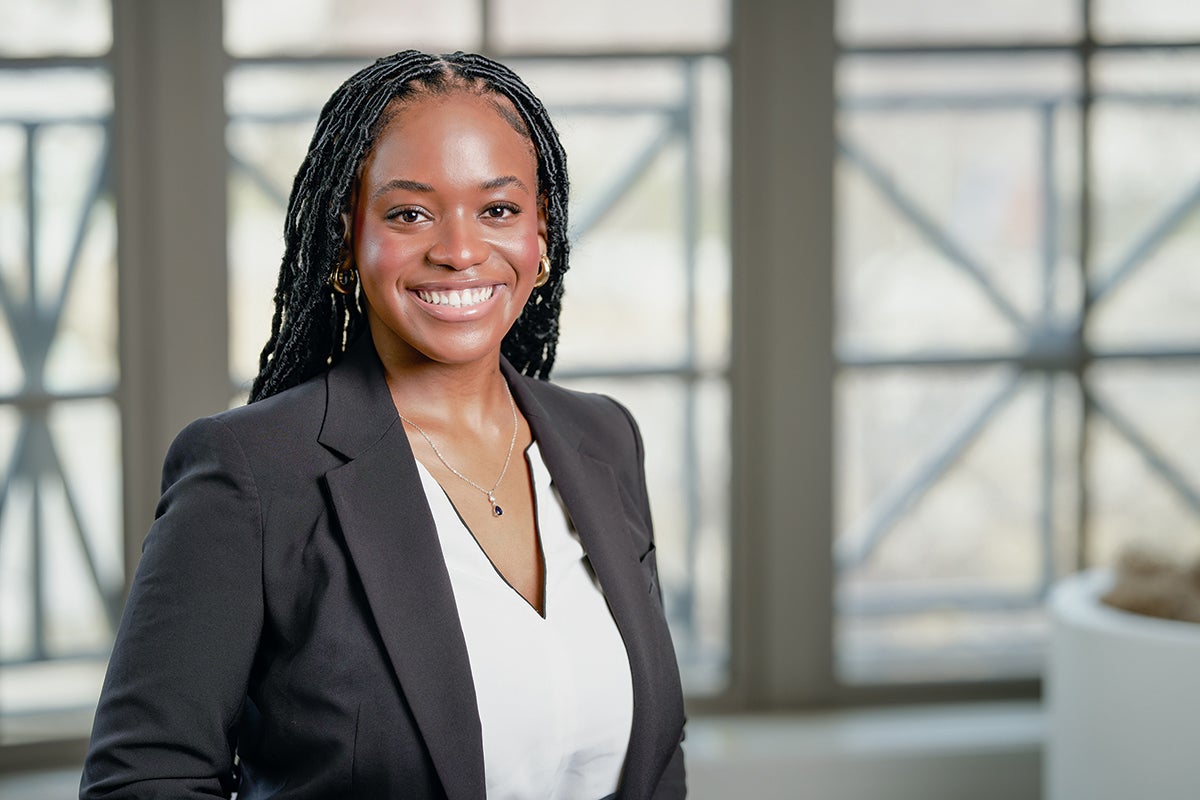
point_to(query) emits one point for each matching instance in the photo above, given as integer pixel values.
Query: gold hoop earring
(543, 273)
(343, 278)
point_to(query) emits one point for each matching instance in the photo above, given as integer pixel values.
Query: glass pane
(61, 554)
(377, 27)
(649, 179)
(55, 28)
(956, 206)
(622, 25)
(83, 563)
(948, 20)
(78, 270)
(1144, 481)
(1147, 202)
(1144, 478)
(955, 510)
(1124, 20)
(958, 270)
(13, 245)
(54, 94)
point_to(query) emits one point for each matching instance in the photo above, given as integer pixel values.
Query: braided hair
(313, 325)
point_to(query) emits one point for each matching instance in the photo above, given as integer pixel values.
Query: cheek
(371, 256)
(533, 252)
(380, 257)
(526, 252)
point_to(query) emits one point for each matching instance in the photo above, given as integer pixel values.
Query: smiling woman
(323, 576)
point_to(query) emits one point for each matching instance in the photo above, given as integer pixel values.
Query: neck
(442, 396)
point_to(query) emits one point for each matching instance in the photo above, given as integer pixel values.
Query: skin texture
(447, 201)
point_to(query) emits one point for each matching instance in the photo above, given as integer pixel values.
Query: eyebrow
(401, 183)
(502, 181)
(424, 188)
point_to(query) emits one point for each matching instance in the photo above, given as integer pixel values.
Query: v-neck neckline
(534, 477)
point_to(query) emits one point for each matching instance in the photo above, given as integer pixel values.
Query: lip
(456, 303)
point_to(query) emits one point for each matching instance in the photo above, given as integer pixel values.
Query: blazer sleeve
(672, 785)
(166, 722)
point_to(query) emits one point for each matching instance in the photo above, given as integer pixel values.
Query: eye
(407, 214)
(501, 211)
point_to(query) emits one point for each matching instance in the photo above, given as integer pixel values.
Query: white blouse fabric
(555, 694)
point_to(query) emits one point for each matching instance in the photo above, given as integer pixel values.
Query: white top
(555, 695)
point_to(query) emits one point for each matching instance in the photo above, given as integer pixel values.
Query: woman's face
(447, 230)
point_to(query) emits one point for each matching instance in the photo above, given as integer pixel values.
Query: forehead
(461, 131)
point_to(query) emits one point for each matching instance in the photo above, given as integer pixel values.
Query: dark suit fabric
(292, 605)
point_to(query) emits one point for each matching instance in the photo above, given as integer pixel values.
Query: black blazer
(292, 605)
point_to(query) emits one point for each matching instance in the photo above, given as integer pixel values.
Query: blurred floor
(985, 751)
(50, 785)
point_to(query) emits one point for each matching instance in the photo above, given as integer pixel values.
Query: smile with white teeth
(457, 298)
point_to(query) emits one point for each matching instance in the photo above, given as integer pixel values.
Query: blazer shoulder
(286, 410)
(596, 416)
(278, 434)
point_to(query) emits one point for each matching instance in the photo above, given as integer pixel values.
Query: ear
(348, 229)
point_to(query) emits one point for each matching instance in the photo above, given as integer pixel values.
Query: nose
(458, 243)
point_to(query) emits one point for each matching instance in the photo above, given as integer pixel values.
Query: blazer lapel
(393, 543)
(590, 491)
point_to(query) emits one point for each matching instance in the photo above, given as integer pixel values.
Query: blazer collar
(392, 540)
(589, 489)
(359, 409)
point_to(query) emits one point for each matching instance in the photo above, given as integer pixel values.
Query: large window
(61, 547)
(1019, 354)
(988, 383)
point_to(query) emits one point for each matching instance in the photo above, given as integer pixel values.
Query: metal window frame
(1067, 352)
(166, 166)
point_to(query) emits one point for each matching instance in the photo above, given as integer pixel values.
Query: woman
(408, 568)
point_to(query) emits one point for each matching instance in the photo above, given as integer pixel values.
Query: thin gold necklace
(491, 493)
